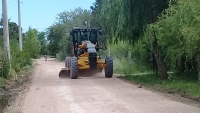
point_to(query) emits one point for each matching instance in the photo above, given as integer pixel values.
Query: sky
(40, 14)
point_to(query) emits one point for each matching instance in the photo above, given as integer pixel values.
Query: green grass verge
(123, 66)
(2, 82)
(188, 88)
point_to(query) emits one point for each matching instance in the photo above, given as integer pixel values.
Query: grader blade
(64, 73)
(89, 72)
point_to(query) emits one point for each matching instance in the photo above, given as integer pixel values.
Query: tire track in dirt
(94, 94)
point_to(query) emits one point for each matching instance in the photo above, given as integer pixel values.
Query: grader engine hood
(92, 55)
(91, 48)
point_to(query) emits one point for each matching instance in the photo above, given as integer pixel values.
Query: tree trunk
(198, 68)
(160, 63)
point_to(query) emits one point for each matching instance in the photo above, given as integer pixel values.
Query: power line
(49, 4)
(70, 2)
(12, 6)
(35, 28)
(12, 2)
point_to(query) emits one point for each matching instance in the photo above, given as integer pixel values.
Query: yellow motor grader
(85, 57)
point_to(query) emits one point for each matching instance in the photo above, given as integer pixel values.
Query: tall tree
(127, 19)
(54, 35)
(58, 34)
(178, 37)
(31, 44)
(43, 42)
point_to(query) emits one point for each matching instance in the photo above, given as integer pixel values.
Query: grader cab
(85, 55)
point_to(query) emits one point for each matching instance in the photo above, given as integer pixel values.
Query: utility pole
(20, 30)
(5, 29)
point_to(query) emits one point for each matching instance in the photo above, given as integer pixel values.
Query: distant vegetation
(34, 45)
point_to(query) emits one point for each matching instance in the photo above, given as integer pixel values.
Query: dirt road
(96, 94)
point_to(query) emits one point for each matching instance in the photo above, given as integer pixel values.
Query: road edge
(174, 97)
(19, 90)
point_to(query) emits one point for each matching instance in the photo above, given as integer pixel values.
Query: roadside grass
(14, 77)
(124, 66)
(2, 82)
(188, 88)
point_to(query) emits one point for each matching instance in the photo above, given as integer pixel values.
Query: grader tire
(109, 67)
(74, 68)
(67, 62)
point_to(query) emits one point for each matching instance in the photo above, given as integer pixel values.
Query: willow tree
(178, 34)
(126, 20)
